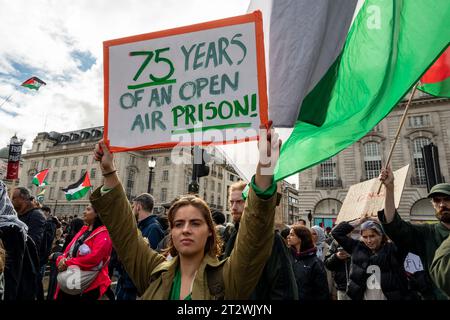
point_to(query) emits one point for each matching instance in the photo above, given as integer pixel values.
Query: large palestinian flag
(337, 68)
(79, 189)
(437, 79)
(39, 178)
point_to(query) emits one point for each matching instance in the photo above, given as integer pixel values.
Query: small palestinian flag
(79, 189)
(33, 83)
(436, 81)
(40, 196)
(39, 178)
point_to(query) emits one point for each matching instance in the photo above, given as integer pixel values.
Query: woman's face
(89, 215)
(293, 240)
(371, 239)
(190, 231)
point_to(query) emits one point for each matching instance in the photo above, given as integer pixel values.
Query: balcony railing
(329, 183)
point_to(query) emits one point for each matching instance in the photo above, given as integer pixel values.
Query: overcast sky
(60, 41)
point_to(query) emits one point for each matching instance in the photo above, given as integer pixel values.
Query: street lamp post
(151, 166)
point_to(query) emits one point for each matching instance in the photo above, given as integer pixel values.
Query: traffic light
(200, 168)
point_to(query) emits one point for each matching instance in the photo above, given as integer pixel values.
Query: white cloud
(41, 36)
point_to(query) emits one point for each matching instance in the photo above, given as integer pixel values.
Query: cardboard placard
(193, 85)
(363, 198)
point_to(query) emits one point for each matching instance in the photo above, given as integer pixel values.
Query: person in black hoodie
(376, 271)
(309, 271)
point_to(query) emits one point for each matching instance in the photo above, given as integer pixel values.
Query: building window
(219, 187)
(212, 185)
(219, 203)
(165, 176)
(38, 147)
(47, 163)
(132, 160)
(31, 174)
(327, 174)
(82, 172)
(75, 161)
(63, 175)
(33, 164)
(372, 160)
(130, 182)
(167, 160)
(419, 121)
(85, 160)
(51, 192)
(66, 162)
(163, 194)
(72, 175)
(54, 176)
(212, 199)
(57, 162)
(419, 165)
(93, 172)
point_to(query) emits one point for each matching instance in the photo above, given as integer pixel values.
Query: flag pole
(402, 121)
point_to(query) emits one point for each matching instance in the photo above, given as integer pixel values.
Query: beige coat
(153, 275)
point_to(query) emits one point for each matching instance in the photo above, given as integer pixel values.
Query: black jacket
(14, 243)
(389, 259)
(340, 269)
(277, 282)
(35, 220)
(310, 276)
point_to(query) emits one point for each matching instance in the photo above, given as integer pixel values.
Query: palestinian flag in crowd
(40, 196)
(79, 189)
(39, 178)
(337, 68)
(437, 79)
(33, 83)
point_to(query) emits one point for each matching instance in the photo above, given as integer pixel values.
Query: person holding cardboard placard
(376, 268)
(420, 239)
(195, 271)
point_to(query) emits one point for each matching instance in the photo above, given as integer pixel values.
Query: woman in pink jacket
(89, 250)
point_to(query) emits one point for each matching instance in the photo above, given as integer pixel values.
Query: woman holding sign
(195, 271)
(376, 270)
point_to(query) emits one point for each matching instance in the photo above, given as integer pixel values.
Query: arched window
(131, 177)
(372, 160)
(419, 165)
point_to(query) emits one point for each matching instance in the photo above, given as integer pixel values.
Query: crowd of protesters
(190, 252)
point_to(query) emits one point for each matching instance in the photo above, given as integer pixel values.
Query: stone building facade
(322, 189)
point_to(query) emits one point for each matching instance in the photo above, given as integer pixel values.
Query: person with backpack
(195, 271)
(151, 229)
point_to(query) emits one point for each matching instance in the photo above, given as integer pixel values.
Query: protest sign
(362, 198)
(197, 84)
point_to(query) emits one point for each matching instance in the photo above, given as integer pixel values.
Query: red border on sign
(255, 17)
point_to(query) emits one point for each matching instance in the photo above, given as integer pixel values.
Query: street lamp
(151, 166)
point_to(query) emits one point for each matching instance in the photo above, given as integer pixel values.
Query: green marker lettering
(138, 123)
(198, 56)
(223, 105)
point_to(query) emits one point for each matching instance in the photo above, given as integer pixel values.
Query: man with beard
(420, 239)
